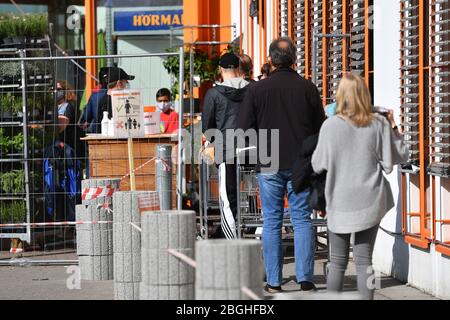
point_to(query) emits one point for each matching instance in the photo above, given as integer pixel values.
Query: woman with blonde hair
(354, 148)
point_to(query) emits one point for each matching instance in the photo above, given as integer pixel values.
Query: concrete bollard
(224, 267)
(94, 243)
(127, 244)
(165, 277)
(163, 175)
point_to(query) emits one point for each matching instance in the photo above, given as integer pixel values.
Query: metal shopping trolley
(209, 211)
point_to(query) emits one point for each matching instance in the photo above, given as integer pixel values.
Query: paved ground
(43, 282)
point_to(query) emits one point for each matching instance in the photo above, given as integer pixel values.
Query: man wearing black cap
(116, 79)
(220, 111)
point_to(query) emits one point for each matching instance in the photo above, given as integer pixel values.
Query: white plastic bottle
(105, 123)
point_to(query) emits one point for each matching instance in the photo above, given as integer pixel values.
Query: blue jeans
(272, 188)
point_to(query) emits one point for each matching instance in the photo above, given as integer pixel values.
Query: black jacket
(304, 177)
(284, 101)
(220, 111)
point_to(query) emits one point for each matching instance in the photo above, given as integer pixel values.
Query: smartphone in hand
(381, 110)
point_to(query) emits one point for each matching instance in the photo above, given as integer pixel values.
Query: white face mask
(164, 106)
(127, 86)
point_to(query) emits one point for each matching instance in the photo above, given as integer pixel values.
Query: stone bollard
(127, 244)
(224, 267)
(165, 277)
(163, 175)
(94, 243)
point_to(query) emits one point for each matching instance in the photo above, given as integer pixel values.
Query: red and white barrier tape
(94, 193)
(44, 224)
(164, 163)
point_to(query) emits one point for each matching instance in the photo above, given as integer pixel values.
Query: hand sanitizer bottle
(105, 123)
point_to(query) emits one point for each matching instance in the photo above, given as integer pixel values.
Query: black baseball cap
(229, 61)
(112, 74)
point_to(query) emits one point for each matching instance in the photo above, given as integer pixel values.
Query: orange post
(422, 146)
(241, 33)
(275, 16)
(261, 28)
(222, 17)
(366, 42)
(289, 19)
(91, 47)
(307, 41)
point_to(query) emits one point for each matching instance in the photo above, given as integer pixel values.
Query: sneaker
(307, 286)
(270, 289)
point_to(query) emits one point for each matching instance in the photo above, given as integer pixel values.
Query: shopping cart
(209, 211)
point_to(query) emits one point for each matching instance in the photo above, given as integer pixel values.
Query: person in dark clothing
(116, 79)
(90, 120)
(287, 104)
(246, 67)
(220, 113)
(265, 71)
(67, 114)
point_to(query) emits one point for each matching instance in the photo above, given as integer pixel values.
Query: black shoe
(307, 286)
(270, 289)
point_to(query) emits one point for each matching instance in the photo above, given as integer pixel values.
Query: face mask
(163, 106)
(127, 86)
(60, 95)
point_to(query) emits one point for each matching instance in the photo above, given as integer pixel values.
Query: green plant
(205, 67)
(36, 25)
(13, 182)
(7, 26)
(29, 25)
(12, 211)
(4, 141)
(16, 142)
(11, 102)
(10, 69)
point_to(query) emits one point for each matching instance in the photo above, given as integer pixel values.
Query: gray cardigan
(357, 193)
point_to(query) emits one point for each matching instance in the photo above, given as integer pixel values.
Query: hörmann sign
(147, 21)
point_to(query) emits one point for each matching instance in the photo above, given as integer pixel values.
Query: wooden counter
(108, 157)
